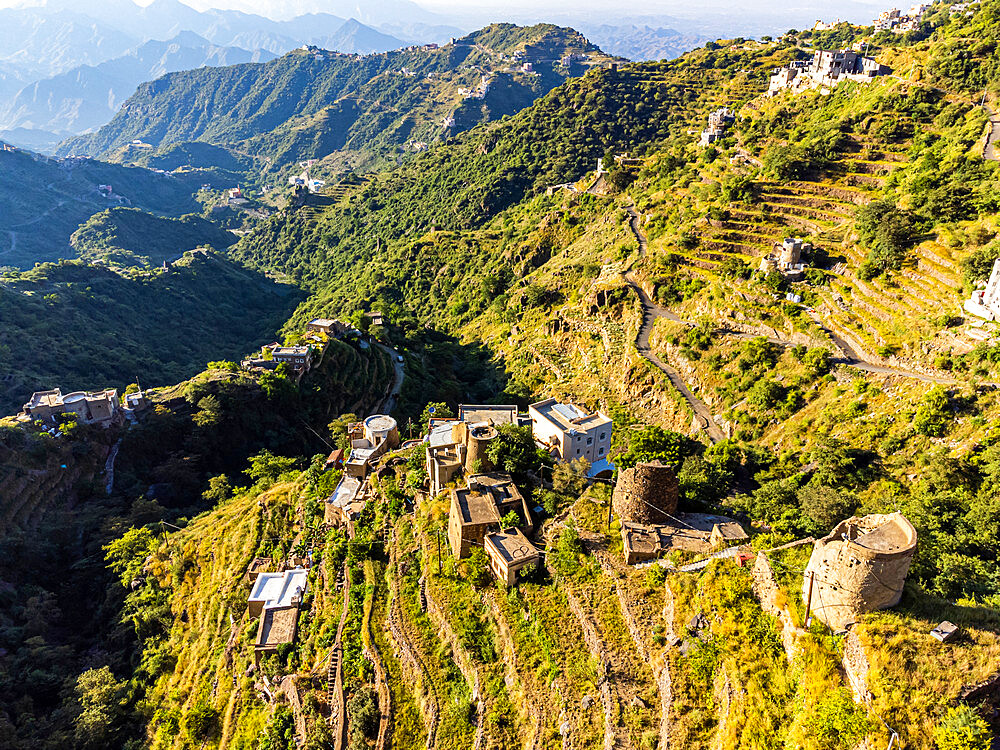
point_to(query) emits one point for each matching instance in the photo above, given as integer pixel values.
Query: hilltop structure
(786, 258)
(859, 567)
(90, 407)
(827, 69)
(370, 440)
(718, 123)
(898, 22)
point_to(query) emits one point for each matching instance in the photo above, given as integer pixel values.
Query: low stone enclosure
(859, 567)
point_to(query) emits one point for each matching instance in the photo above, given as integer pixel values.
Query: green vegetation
(77, 326)
(130, 237)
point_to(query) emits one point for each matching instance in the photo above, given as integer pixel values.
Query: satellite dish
(430, 409)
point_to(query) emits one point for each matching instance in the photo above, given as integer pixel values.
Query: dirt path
(650, 313)
(990, 149)
(852, 353)
(337, 707)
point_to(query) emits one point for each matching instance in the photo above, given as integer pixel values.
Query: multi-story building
(569, 432)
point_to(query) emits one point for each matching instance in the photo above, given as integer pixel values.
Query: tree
(266, 467)
(202, 722)
(963, 729)
(102, 701)
(888, 231)
(824, 506)
(514, 451)
(127, 554)
(219, 490)
(510, 521)
(933, 417)
(786, 162)
(441, 411)
(653, 444)
(817, 361)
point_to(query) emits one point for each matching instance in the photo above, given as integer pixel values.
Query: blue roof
(599, 466)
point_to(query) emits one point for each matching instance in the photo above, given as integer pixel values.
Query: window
(578, 451)
(590, 440)
(603, 435)
(600, 452)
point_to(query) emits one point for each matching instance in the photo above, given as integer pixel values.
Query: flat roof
(345, 491)
(380, 422)
(475, 507)
(491, 413)
(512, 546)
(568, 417)
(278, 589)
(277, 626)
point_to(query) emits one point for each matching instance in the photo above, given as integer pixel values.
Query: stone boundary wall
(856, 666)
(765, 586)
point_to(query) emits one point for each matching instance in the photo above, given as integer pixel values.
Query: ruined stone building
(646, 494)
(859, 567)
(786, 258)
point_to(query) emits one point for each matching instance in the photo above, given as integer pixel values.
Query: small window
(578, 451)
(600, 452)
(590, 440)
(603, 435)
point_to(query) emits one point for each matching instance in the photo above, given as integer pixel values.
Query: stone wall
(765, 586)
(855, 661)
(646, 494)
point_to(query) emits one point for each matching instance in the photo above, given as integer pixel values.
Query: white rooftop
(345, 492)
(278, 589)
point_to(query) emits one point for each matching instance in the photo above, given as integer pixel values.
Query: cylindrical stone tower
(480, 437)
(646, 494)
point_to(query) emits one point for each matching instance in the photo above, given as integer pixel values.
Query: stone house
(508, 553)
(370, 439)
(479, 508)
(90, 407)
(456, 445)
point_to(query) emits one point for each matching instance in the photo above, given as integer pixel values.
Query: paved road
(397, 385)
(650, 312)
(990, 151)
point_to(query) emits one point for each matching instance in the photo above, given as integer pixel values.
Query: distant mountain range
(311, 103)
(64, 72)
(88, 96)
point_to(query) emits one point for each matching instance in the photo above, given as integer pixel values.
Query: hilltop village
(632, 463)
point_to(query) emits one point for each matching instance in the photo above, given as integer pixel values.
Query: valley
(651, 405)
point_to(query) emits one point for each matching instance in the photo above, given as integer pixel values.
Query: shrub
(933, 416)
(962, 729)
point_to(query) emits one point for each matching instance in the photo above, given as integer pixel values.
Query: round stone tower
(858, 567)
(480, 436)
(646, 494)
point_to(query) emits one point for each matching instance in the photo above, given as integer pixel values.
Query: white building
(571, 433)
(985, 303)
(277, 590)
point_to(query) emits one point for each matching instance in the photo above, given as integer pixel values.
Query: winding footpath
(990, 149)
(650, 313)
(851, 352)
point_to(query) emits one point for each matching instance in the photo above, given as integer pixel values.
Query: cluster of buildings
(102, 408)
(370, 439)
(827, 69)
(481, 91)
(786, 258)
(481, 512)
(898, 22)
(718, 123)
(276, 599)
(299, 358)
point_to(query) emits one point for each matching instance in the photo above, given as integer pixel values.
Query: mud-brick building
(859, 567)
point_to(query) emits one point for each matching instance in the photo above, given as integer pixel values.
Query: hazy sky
(285, 8)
